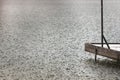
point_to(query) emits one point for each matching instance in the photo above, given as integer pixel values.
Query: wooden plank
(113, 54)
(115, 47)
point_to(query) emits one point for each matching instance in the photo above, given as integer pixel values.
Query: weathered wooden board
(113, 53)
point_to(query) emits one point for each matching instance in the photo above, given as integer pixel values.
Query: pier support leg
(118, 59)
(96, 52)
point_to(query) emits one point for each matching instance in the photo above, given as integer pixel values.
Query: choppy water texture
(44, 39)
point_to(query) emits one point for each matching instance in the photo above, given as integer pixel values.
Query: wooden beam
(113, 54)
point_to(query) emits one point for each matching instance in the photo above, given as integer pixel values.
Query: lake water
(44, 39)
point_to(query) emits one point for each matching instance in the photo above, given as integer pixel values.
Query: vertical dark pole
(102, 23)
(96, 52)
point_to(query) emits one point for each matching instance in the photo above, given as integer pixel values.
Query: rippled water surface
(44, 39)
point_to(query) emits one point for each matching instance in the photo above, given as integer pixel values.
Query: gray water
(44, 39)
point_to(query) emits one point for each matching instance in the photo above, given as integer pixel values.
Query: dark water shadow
(107, 63)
